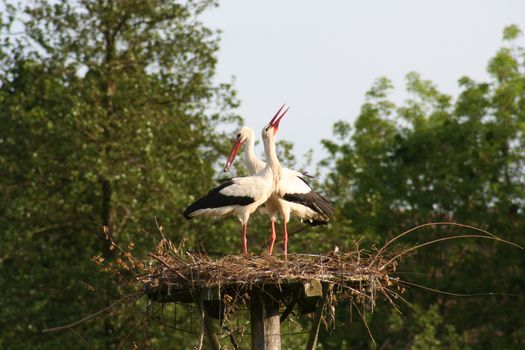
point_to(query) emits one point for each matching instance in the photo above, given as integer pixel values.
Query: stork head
(242, 135)
(270, 130)
(246, 133)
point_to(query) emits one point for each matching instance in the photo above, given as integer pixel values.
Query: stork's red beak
(277, 118)
(233, 153)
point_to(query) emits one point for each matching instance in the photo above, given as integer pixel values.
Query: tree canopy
(438, 158)
(109, 113)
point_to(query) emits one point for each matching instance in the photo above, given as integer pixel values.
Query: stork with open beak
(293, 195)
(241, 196)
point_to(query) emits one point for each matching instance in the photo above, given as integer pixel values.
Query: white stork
(292, 197)
(242, 195)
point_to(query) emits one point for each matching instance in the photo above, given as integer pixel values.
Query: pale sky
(320, 57)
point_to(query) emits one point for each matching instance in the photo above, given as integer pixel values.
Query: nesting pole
(271, 289)
(265, 321)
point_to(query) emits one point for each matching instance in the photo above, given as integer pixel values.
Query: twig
(365, 323)
(316, 322)
(446, 239)
(71, 325)
(81, 338)
(288, 309)
(441, 223)
(397, 295)
(161, 259)
(123, 342)
(50, 228)
(201, 337)
(234, 341)
(160, 228)
(457, 294)
(162, 323)
(165, 263)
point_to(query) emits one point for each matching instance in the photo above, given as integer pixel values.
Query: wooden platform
(269, 305)
(269, 287)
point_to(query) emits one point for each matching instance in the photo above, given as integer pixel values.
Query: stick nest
(355, 273)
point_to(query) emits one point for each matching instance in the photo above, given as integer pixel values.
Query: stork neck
(272, 161)
(251, 161)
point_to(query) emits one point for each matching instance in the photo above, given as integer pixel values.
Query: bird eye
(239, 135)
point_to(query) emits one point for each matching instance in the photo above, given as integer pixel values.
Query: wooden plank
(313, 288)
(316, 323)
(208, 328)
(265, 322)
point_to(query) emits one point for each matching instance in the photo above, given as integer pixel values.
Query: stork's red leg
(285, 242)
(244, 240)
(272, 238)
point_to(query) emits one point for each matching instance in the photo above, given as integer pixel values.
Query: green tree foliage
(108, 112)
(436, 158)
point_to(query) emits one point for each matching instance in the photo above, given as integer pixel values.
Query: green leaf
(511, 32)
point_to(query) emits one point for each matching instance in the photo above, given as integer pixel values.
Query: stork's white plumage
(241, 196)
(292, 197)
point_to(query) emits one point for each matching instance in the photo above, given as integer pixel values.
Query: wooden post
(206, 322)
(316, 323)
(265, 322)
(208, 329)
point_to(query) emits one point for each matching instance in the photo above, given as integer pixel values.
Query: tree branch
(87, 318)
